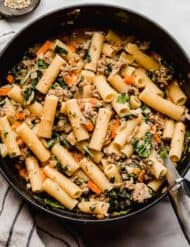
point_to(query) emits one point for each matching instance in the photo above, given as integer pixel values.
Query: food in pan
(89, 117)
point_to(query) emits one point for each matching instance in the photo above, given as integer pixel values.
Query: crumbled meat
(163, 75)
(140, 192)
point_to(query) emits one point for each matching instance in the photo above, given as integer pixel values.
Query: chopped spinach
(122, 212)
(61, 82)
(163, 152)
(35, 78)
(151, 75)
(122, 98)
(2, 101)
(146, 112)
(143, 147)
(60, 168)
(5, 133)
(108, 69)
(60, 50)
(27, 93)
(66, 143)
(51, 143)
(49, 202)
(42, 63)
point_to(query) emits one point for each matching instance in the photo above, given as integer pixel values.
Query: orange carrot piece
(4, 91)
(45, 47)
(129, 80)
(10, 78)
(141, 176)
(156, 138)
(136, 170)
(114, 127)
(94, 187)
(72, 47)
(89, 126)
(20, 116)
(15, 125)
(78, 156)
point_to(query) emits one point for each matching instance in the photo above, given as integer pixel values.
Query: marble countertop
(158, 226)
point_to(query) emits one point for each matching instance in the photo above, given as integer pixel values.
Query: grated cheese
(17, 4)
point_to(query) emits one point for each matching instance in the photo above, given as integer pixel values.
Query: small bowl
(9, 12)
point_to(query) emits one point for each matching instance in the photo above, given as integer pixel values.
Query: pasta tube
(36, 108)
(106, 92)
(94, 51)
(8, 137)
(126, 132)
(134, 102)
(112, 37)
(121, 108)
(48, 116)
(168, 131)
(76, 118)
(16, 94)
(97, 208)
(176, 94)
(177, 142)
(65, 183)
(127, 150)
(33, 143)
(146, 61)
(118, 83)
(143, 129)
(67, 161)
(112, 172)
(158, 169)
(50, 75)
(34, 173)
(95, 174)
(161, 105)
(155, 184)
(54, 190)
(108, 50)
(88, 76)
(99, 134)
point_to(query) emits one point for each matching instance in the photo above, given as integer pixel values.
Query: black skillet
(96, 16)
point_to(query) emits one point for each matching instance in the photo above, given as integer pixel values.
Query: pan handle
(180, 198)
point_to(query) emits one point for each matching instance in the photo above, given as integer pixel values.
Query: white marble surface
(158, 226)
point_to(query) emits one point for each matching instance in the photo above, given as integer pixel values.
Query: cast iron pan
(100, 17)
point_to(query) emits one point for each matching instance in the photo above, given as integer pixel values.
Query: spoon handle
(180, 199)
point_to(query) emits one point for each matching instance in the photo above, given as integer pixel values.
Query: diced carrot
(4, 91)
(89, 126)
(20, 116)
(94, 187)
(10, 78)
(156, 138)
(45, 47)
(141, 176)
(129, 80)
(15, 125)
(114, 127)
(70, 79)
(23, 173)
(136, 170)
(78, 156)
(72, 47)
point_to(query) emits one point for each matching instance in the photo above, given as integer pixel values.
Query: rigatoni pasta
(92, 115)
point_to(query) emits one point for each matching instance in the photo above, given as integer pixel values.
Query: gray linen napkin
(18, 228)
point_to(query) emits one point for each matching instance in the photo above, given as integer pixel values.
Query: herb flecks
(122, 98)
(143, 147)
